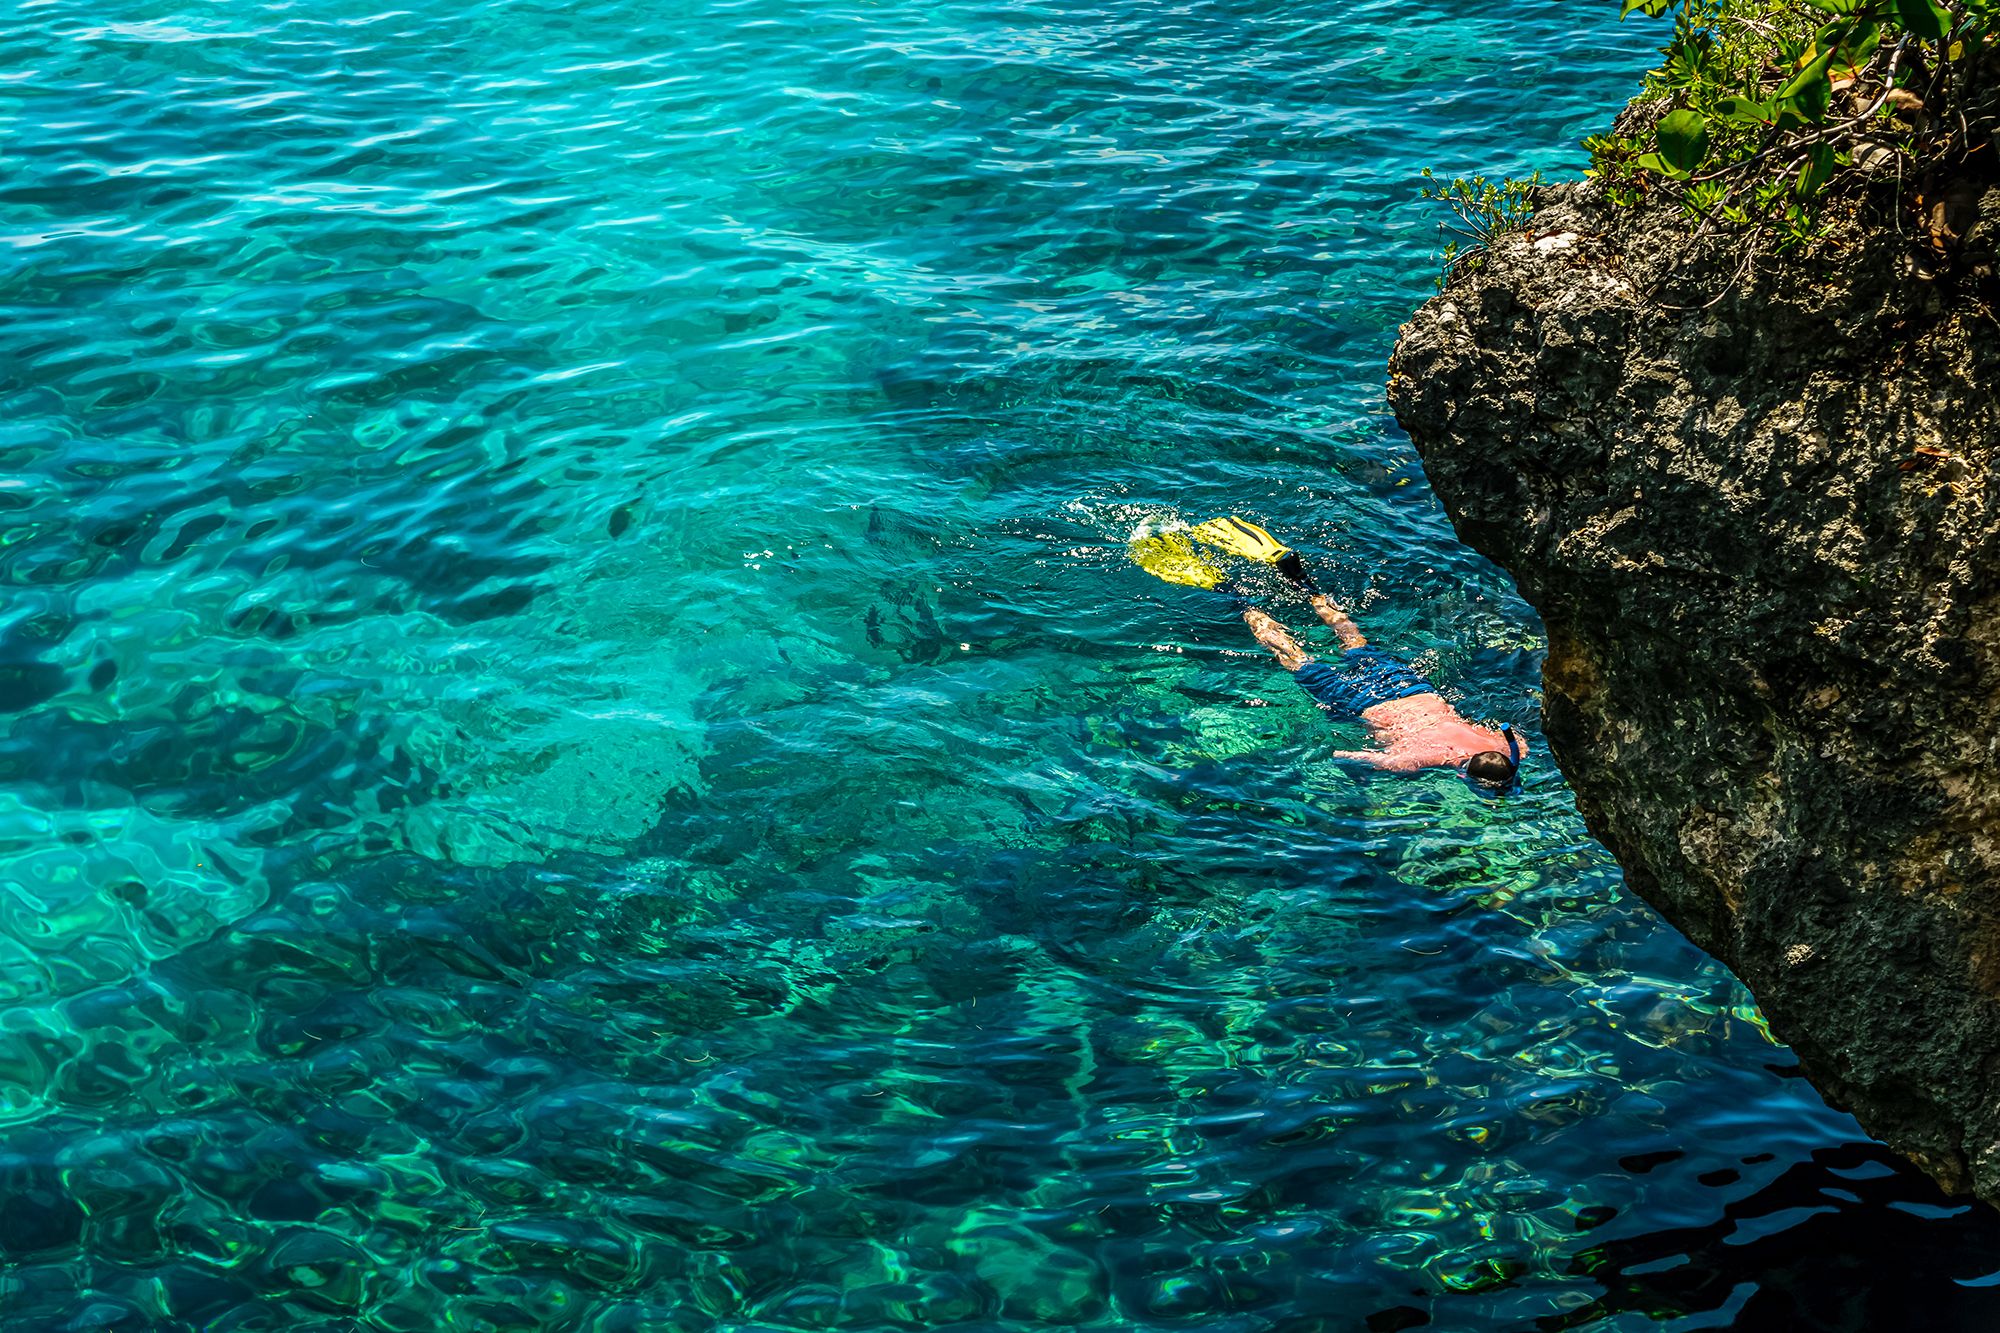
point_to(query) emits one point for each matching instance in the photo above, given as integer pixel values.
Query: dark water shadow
(1852, 1239)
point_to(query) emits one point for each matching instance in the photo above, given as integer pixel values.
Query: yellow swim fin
(1239, 536)
(1171, 556)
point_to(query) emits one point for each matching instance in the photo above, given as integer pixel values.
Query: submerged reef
(1753, 499)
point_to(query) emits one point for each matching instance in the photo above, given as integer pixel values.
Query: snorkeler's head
(1491, 768)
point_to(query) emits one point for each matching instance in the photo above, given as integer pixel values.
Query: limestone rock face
(1756, 506)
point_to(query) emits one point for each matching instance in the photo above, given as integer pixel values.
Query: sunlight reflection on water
(581, 749)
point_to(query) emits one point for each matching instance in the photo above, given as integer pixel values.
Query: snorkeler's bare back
(1414, 732)
(1422, 731)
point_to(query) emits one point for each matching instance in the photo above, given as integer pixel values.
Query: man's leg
(1277, 638)
(1346, 630)
(1331, 688)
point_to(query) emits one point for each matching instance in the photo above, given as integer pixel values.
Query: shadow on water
(1852, 1239)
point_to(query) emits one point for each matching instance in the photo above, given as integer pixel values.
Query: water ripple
(578, 748)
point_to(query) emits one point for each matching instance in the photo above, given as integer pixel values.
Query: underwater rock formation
(1754, 502)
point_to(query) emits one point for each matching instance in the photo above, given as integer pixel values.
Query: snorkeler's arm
(1338, 621)
(1388, 760)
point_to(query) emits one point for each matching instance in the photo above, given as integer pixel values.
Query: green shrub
(1484, 210)
(1758, 107)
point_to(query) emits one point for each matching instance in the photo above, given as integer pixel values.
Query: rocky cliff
(1755, 503)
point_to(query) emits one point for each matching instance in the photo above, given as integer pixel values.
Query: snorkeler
(1404, 713)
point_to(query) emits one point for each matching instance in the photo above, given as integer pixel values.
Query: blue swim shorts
(1364, 678)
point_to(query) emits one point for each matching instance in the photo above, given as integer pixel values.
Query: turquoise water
(581, 750)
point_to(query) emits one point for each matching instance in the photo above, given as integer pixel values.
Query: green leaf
(1813, 102)
(1744, 110)
(1807, 77)
(1922, 18)
(1813, 175)
(1804, 100)
(1860, 44)
(1683, 139)
(1654, 162)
